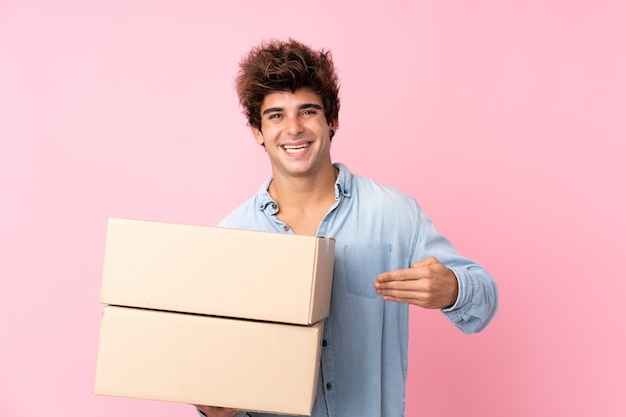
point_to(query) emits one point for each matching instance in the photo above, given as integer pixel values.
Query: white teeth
(295, 148)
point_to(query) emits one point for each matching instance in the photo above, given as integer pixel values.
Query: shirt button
(324, 343)
(329, 386)
(285, 228)
(274, 206)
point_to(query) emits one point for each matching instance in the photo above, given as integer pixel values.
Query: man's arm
(440, 277)
(467, 296)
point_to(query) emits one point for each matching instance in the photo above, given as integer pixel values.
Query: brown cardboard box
(217, 271)
(194, 359)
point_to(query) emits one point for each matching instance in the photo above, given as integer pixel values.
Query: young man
(388, 254)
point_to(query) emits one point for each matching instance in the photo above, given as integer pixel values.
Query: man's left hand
(428, 284)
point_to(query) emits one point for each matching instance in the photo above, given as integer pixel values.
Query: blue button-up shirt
(364, 351)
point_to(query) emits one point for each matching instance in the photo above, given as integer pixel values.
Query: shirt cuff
(459, 296)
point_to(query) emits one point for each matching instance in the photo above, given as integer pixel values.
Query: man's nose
(294, 126)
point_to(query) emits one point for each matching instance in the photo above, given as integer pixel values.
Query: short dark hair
(286, 66)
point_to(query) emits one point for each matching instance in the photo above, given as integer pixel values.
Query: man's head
(286, 66)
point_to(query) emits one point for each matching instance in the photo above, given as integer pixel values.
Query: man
(388, 254)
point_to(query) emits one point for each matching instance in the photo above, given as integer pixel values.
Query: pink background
(506, 120)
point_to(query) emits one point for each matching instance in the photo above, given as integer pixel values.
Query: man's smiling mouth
(296, 148)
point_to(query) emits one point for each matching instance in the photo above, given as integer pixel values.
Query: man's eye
(275, 116)
(308, 112)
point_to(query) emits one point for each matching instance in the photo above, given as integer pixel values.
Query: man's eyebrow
(310, 106)
(272, 110)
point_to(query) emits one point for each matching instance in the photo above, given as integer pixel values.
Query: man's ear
(258, 135)
(334, 125)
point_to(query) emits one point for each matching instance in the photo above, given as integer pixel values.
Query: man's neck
(303, 201)
(304, 191)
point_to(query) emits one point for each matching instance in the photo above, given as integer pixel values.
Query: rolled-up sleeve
(477, 301)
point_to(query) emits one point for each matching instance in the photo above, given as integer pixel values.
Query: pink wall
(504, 119)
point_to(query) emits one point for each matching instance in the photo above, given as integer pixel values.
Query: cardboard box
(217, 271)
(204, 360)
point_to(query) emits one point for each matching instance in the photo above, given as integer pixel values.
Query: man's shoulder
(372, 188)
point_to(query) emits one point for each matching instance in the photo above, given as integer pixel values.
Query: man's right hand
(209, 411)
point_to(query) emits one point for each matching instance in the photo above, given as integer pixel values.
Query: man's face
(295, 133)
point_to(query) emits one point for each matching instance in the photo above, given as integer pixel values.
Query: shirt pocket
(361, 265)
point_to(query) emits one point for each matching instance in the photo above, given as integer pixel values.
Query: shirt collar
(343, 187)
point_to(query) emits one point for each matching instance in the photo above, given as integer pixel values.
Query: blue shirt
(365, 346)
